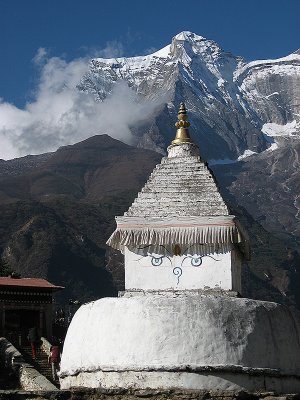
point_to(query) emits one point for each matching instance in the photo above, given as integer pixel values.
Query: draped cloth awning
(215, 232)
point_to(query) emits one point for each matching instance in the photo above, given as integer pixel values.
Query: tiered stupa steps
(176, 183)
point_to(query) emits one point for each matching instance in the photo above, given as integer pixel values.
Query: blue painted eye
(156, 261)
(196, 261)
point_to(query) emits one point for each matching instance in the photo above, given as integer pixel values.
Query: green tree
(5, 270)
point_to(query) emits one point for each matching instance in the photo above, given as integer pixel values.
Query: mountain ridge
(61, 237)
(247, 129)
(216, 78)
(240, 112)
(73, 171)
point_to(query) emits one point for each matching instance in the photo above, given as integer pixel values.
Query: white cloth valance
(217, 232)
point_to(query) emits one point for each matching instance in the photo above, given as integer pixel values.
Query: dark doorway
(18, 322)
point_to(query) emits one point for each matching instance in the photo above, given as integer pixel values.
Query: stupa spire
(182, 134)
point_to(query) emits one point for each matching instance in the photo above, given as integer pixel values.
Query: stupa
(181, 322)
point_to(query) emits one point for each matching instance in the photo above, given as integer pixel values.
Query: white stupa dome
(186, 342)
(180, 323)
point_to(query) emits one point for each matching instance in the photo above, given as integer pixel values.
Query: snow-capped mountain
(229, 100)
(242, 114)
(245, 118)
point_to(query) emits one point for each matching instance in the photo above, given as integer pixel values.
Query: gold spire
(182, 134)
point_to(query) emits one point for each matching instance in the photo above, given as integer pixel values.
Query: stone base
(222, 381)
(176, 293)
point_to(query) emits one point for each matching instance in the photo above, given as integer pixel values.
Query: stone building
(24, 303)
(181, 322)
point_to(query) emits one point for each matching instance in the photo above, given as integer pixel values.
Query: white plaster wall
(177, 272)
(167, 333)
(183, 150)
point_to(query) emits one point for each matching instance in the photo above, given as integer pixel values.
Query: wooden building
(24, 303)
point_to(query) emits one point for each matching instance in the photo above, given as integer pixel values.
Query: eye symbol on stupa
(156, 261)
(173, 257)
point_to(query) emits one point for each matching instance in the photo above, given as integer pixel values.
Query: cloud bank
(60, 114)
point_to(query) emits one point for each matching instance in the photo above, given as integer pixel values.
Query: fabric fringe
(211, 234)
(162, 236)
(185, 249)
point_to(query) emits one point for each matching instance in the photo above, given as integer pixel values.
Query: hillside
(59, 208)
(244, 117)
(57, 216)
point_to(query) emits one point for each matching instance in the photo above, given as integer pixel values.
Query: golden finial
(182, 134)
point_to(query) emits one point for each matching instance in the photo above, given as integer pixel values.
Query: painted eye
(156, 261)
(196, 261)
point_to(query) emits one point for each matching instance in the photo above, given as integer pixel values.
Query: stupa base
(218, 380)
(183, 341)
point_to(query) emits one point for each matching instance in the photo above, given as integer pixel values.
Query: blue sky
(255, 29)
(44, 41)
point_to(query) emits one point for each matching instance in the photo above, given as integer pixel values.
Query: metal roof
(29, 283)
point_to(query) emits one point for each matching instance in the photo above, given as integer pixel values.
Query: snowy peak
(186, 40)
(269, 88)
(187, 36)
(188, 48)
(163, 53)
(184, 47)
(241, 113)
(290, 60)
(187, 45)
(229, 97)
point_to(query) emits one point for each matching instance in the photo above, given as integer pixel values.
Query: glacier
(230, 100)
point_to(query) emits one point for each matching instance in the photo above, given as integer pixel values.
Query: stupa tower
(178, 234)
(180, 324)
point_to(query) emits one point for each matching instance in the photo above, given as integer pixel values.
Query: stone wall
(29, 377)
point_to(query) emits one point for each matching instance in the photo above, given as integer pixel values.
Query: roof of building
(29, 283)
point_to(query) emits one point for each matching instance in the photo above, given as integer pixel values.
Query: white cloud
(112, 49)
(59, 114)
(40, 56)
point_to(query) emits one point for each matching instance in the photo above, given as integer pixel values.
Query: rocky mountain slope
(78, 172)
(243, 114)
(57, 216)
(58, 209)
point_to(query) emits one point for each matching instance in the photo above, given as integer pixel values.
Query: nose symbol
(177, 271)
